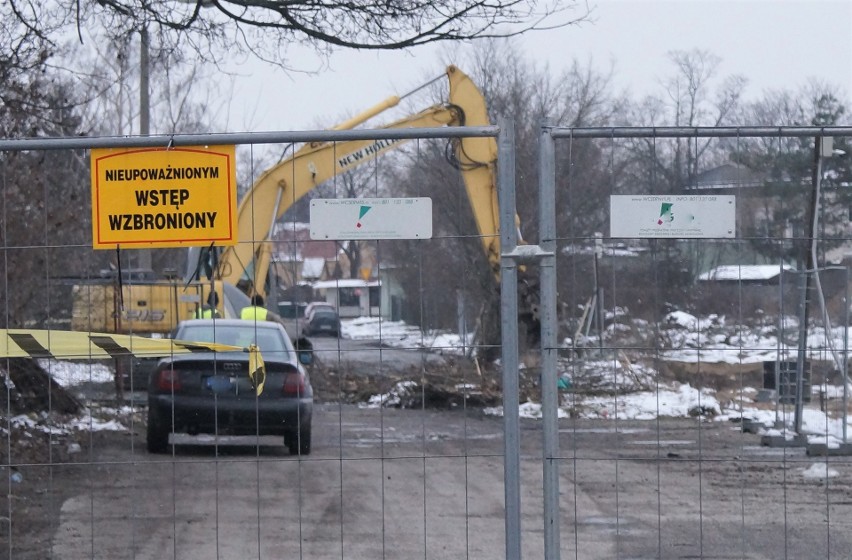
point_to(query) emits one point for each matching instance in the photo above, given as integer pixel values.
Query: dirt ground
(40, 472)
(44, 462)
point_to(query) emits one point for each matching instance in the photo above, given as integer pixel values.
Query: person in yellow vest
(209, 310)
(256, 311)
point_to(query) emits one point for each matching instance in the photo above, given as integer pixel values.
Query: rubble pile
(454, 384)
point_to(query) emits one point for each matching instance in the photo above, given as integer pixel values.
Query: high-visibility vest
(253, 313)
(208, 313)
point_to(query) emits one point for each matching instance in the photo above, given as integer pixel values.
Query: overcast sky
(774, 43)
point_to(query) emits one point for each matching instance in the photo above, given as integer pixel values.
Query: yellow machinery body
(157, 306)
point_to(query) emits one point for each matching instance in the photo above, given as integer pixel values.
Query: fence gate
(677, 267)
(107, 452)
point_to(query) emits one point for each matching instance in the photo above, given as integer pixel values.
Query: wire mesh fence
(693, 359)
(646, 405)
(116, 449)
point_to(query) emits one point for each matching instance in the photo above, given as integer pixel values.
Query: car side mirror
(306, 357)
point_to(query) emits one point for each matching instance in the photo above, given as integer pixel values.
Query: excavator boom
(277, 189)
(156, 307)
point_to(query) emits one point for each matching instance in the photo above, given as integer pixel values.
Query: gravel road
(390, 483)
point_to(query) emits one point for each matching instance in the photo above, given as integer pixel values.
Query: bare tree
(514, 88)
(267, 29)
(787, 165)
(693, 96)
(109, 76)
(577, 96)
(45, 232)
(23, 62)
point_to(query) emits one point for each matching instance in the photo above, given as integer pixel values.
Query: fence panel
(401, 460)
(670, 441)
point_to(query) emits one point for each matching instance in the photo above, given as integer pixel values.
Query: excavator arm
(246, 264)
(156, 307)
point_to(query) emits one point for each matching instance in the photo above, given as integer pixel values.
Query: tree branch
(266, 28)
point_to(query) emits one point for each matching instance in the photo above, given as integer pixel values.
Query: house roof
(727, 176)
(345, 283)
(292, 242)
(290, 230)
(743, 272)
(326, 250)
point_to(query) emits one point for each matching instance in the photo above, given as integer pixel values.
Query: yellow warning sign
(158, 197)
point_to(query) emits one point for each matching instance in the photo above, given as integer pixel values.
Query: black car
(322, 321)
(211, 393)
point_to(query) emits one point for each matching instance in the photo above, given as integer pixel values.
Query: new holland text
(371, 150)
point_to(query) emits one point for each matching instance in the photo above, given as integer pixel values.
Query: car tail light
(168, 380)
(294, 385)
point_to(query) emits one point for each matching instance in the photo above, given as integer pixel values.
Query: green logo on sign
(364, 210)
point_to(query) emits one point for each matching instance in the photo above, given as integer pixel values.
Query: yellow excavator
(156, 306)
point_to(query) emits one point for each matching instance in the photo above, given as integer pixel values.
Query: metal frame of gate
(544, 253)
(503, 132)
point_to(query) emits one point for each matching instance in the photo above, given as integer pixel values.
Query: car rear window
(291, 310)
(267, 339)
(324, 314)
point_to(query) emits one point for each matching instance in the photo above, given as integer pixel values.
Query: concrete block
(822, 450)
(782, 441)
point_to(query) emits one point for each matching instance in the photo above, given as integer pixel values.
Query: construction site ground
(49, 454)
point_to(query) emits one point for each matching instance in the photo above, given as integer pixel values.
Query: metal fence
(750, 474)
(404, 463)
(648, 421)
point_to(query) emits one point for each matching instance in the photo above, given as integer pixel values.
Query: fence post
(509, 319)
(549, 349)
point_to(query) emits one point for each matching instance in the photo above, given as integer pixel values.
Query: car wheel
(299, 443)
(157, 435)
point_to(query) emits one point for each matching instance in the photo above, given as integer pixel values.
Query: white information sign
(371, 218)
(677, 216)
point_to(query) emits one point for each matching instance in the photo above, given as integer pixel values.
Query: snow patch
(819, 471)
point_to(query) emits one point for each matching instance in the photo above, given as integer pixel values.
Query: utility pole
(809, 259)
(599, 303)
(145, 260)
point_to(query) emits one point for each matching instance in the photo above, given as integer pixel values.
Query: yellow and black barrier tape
(74, 345)
(257, 370)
